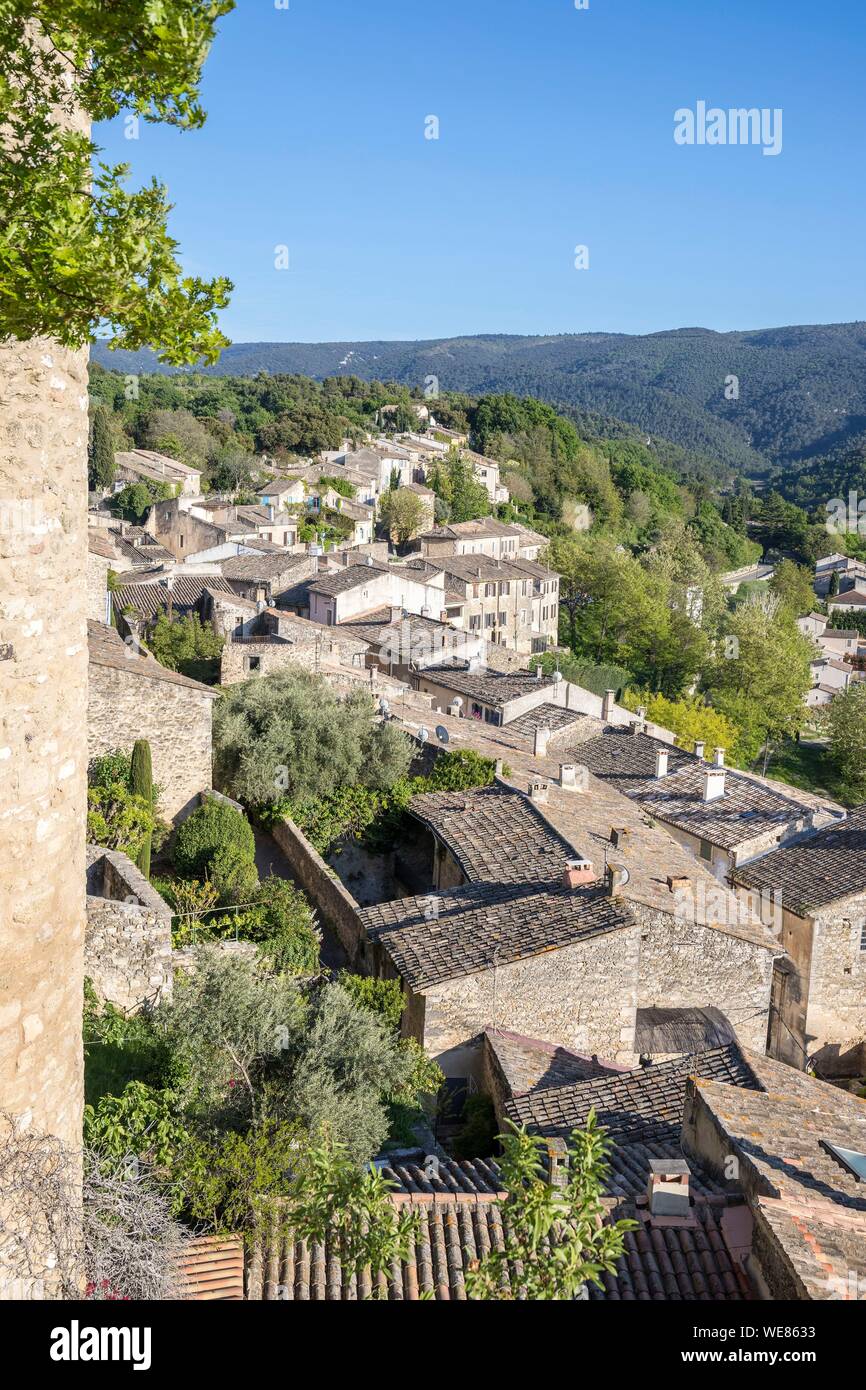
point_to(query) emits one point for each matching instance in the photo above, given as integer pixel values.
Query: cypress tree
(141, 784)
(100, 451)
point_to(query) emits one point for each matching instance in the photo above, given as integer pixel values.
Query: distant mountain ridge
(752, 401)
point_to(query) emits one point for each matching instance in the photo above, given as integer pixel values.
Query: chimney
(578, 872)
(699, 748)
(497, 767)
(539, 790)
(542, 738)
(617, 876)
(720, 757)
(678, 883)
(661, 762)
(714, 783)
(557, 1163)
(538, 672)
(395, 614)
(570, 779)
(619, 836)
(607, 704)
(668, 1188)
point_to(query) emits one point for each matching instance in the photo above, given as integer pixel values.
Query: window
(503, 586)
(489, 619)
(254, 663)
(489, 590)
(474, 622)
(706, 850)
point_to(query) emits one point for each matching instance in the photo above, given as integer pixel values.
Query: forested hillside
(800, 391)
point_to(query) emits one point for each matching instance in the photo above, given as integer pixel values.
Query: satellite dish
(441, 733)
(457, 701)
(423, 734)
(557, 676)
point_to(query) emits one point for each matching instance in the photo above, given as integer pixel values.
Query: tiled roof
(525, 1064)
(350, 577)
(814, 872)
(442, 936)
(660, 1030)
(152, 598)
(495, 834)
(641, 1110)
(746, 810)
(139, 547)
(549, 716)
(107, 648)
(378, 623)
(266, 565)
(485, 684)
(814, 1208)
(673, 1263)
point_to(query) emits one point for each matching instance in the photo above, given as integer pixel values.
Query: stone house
(100, 561)
(522, 931)
(281, 639)
(511, 602)
(471, 690)
(132, 696)
(498, 540)
(356, 589)
(271, 577)
(146, 465)
(818, 887)
(723, 816)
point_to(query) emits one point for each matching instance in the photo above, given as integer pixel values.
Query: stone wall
(127, 944)
(583, 996)
(836, 1016)
(97, 587)
(43, 748)
(175, 719)
(335, 903)
(684, 964)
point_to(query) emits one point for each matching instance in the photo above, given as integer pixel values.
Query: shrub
(141, 784)
(461, 769)
(382, 997)
(286, 921)
(212, 827)
(116, 819)
(233, 876)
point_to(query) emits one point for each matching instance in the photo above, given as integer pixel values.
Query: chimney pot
(542, 738)
(720, 757)
(661, 762)
(699, 748)
(498, 766)
(607, 703)
(619, 835)
(668, 1188)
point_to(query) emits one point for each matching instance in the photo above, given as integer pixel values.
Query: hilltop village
(376, 758)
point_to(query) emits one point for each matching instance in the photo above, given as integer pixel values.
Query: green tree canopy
(77, 251)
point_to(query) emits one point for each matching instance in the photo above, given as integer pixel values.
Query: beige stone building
(131, 696)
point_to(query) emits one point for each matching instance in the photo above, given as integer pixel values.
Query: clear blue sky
(556, 129)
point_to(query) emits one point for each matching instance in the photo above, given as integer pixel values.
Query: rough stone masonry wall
(175, 719)
(582, 996)
(127, 944)
(836, 1016)
(685, 964)
(334, 902)
(43, 739)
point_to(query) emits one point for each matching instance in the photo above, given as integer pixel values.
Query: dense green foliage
(555, 1236)
(211, 829)
(119, 816)
(290, 735)
(846, 727)
(100, 450)
(187, 645)
(76, 249)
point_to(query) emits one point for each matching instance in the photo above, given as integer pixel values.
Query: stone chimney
(542, 738)
(607, 701)
(557, 1163)
(578, 872)
(497, 767)
(571, 777)
(720, 757)
(668, 1189)
(539, 791)
(616, 878)
(714, 783)
(699, 748)
(619, 835)
(662, 756)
